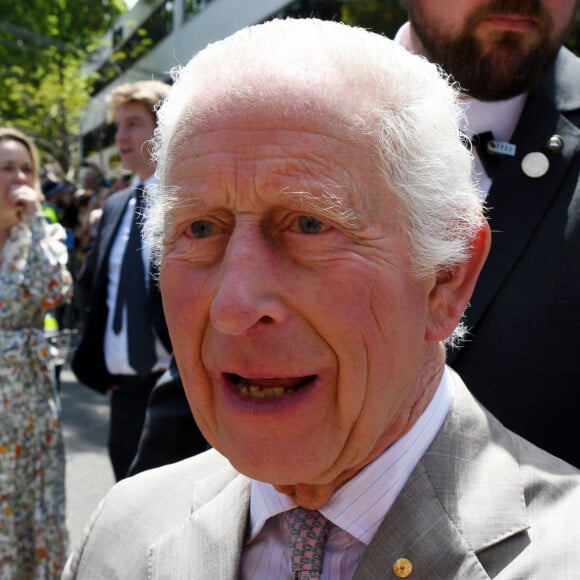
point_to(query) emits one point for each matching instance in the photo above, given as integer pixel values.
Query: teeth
(255, 392)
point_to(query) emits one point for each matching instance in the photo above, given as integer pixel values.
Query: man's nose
(249, 284)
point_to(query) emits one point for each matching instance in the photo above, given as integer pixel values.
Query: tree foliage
(43, 45)
(383, 17)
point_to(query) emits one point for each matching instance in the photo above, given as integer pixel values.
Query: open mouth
(269, 387)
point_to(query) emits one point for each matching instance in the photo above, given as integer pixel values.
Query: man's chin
(493, 69)
(278, 473)
(284, 470)
(503, 73)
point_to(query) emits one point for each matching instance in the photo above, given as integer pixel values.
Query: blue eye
(202, 229)
(308, 224)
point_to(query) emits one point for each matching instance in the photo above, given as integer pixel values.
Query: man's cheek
(175, 299)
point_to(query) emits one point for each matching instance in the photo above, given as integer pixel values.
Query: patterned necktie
(308, 531)
(133, 294)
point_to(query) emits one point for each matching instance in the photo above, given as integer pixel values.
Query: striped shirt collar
(362, 503)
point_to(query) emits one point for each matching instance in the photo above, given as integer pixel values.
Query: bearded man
(522, 96)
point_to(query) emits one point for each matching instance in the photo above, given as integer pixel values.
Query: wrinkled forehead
(273, 104)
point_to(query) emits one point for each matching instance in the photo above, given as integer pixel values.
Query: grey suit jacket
(482, 503)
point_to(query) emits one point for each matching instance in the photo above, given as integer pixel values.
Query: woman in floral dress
(33, 279)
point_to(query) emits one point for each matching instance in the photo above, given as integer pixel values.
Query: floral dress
(33, 279)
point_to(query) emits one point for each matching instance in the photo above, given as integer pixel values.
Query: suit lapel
(109, 226)
(465, 497)
(417, 528)
(209, 543)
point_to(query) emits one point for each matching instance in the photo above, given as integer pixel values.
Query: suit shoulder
(117, 198)
(546, 474)
(167, 489)
(175, 479)
(141, 509)
(551, 493)
(561, 83)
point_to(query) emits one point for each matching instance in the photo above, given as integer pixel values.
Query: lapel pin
(402, 568)
(501, 148)
(535, 164)
(554, 144)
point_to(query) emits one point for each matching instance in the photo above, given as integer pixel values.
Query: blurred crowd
(77, 207)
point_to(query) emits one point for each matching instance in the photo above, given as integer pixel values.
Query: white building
(156, 35)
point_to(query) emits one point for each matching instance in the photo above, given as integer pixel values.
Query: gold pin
(402, 568)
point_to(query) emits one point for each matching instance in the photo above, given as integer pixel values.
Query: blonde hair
(148, 93)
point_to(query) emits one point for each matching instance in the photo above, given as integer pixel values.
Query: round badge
(535, 164)
(402, 568)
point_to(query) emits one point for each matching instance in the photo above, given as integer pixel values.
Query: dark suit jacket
(523, 360)
(170, 432)
(88, 363)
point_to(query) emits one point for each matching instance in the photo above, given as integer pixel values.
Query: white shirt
(499, 117)
(356, 509)
(116, 350)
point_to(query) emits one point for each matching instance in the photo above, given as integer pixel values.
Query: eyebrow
(329, 204)
(26, 164)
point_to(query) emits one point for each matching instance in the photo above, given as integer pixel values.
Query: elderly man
(320, 239)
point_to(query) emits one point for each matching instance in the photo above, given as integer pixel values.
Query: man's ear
(453, 289)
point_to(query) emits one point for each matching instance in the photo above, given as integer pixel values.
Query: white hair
(368, 83)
